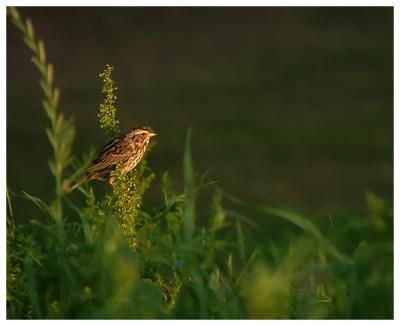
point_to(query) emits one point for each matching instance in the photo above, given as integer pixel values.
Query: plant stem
(61, 131)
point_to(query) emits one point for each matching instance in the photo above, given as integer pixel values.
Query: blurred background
(294, 104)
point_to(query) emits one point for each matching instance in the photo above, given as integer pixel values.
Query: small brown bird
(127, 149)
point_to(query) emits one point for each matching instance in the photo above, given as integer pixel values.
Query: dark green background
(289, 103)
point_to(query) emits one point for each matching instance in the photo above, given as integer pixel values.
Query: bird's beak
(151, 134)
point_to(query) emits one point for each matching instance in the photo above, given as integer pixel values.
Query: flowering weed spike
(121, 163)
(107, 109)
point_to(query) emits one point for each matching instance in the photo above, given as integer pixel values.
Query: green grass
(95, 256)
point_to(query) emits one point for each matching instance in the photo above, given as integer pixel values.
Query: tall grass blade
(305, 224)
(85, 224)
(242, 217)
(189, 213)
(31, 284)
(39, 203)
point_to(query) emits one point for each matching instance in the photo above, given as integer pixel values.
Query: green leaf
(50, 136)
(240, 238)
(42, 52)
(14, 13)
(50, 73)
(30, 44)
(245, 219)
(52, 167)
(29, 29)
(49, 110)
(39, 203)
(189, 213)
(247, 266)
(31, 285)
(305, 224)
(37, 63)
(45, 88)
(56, 97)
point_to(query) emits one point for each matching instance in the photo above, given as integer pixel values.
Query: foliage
(61, 132)
(107, 109)
(314, 279)
(178, 261)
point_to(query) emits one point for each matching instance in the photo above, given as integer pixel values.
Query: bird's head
(141, 134)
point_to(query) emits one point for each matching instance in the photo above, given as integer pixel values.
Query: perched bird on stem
(127, 149)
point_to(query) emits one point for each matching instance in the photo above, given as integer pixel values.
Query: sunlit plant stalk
(61, 132)
(107, 110)
(125, 199)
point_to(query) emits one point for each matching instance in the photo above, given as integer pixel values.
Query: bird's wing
(114, 152)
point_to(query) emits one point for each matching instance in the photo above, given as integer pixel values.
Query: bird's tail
(78, 183)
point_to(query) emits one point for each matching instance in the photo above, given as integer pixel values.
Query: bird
(127, 149)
